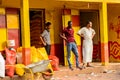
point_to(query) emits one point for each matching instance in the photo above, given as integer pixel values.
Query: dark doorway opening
(92, 15)
(37, 20)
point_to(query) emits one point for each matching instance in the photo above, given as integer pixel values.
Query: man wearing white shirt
(87, 33)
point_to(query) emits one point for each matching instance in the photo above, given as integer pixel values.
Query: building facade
(23, 21)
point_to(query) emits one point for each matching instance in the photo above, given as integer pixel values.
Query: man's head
(89, 24)
(47, 25)
(69, 24)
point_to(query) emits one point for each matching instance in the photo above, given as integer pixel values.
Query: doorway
(92, 15)
(37, 20)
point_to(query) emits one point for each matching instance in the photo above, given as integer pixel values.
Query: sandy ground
(92, 76)
(111, 72)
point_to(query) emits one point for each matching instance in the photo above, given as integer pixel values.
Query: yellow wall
(3, 39)
(113, 13)
(54, 16)
(3, 34)
(52, 12)
(10, 19)
(2, 11)
(114, 41)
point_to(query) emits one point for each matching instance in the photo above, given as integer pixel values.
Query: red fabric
(10, 62)
(9, 70)
(54, 62)
(69, 34)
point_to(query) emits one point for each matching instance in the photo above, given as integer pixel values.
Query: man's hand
(63, 36)
(44, 44)
(81, 35)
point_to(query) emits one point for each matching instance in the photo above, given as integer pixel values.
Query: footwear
(89, 66)
(83, 66)
(79, 67)
(71, 68)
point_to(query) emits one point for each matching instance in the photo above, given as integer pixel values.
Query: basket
(39, 66)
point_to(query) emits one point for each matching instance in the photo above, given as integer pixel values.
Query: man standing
(87, 33)
(45, 38)
(68, 36)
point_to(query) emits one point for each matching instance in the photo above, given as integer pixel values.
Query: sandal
(89, 66)
(83, 66)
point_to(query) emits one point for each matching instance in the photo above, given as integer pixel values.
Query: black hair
(88, 22)
(69, 22)
(48, 23)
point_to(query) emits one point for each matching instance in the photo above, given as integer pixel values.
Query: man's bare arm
(41, 38)
(63, 36)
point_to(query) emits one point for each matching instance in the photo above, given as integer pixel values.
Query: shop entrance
(36, 26)
(92, 15)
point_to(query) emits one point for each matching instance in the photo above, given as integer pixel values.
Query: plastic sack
(19, 49)
(19, 57)
(10, 56)
(19, 69)
(42, 54)
(10, 62)
(38, 54)
(2, 66)
(34, 55)
(54, 62)
(9, 70)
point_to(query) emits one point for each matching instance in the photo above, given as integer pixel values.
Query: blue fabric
(71, 46)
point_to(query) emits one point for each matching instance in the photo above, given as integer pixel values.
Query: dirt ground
(98, 72)
(92, 76)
